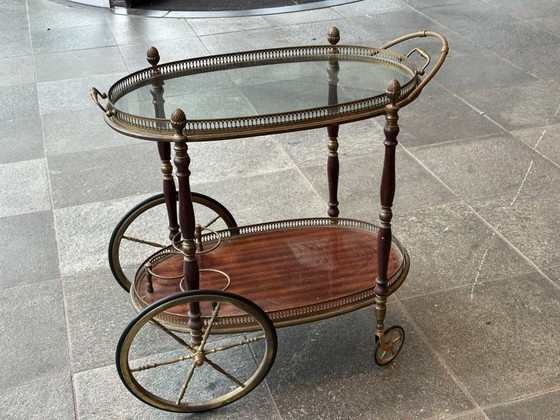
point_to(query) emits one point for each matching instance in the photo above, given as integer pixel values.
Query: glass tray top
(259, 92)
(265, 88)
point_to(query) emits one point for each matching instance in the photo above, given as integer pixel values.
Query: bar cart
(210, 294)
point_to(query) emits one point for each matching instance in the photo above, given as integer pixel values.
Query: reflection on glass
(264, 89)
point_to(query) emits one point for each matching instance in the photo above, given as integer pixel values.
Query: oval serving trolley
(209, 293)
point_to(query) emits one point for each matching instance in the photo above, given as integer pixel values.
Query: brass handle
(424, 54)
(95, 96)
(435, 67)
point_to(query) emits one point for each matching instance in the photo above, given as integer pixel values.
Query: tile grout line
(55, 229)
(440, 358)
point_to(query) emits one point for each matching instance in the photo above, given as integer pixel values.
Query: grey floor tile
(104, 174)
(499, 341)
(287, 19)
(101, 395)
(17, 70)
(244, 41)
(437, 116)
(18, 101)
(72, 95)
(307, 148)
(35, 197)
(93, 341)
(21, 139)
(507, 35)
(463, 72)
(530, 225)
(71, 38)
(85, 132)
(133, 29)
(473, 415)
(540, 60)
(518, 107)
(215, 161)
(84, 232)
(14, 21)
(460, 15)
(75, 64)
(545, 406)
(14, 5)
(214, 26)
(15, 44)
(553, 273)
(359, 186)
(369, 6)
(450, 246)
(545, 140)
(316, 33)
(31, 256)
(46, 399)
(489, 167)
(275, 196)
(522, 10)
(547, 22)
(45, 16)
(34, 345)
(326, 369)
(384, 27)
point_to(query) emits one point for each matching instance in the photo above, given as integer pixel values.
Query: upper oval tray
(260, 92)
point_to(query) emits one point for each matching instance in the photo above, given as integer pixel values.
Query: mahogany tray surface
(296, 271)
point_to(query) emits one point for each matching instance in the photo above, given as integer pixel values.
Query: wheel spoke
(223, 372)
(162, 363)
(210, 325)
(173, 335)
(186, 383)
(214, 220)
(142, 241)
(395, 340)
(233, 345)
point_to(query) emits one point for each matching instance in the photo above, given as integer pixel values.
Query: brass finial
(334, 36)
(178, 120)
(393, 90)
(152, 55)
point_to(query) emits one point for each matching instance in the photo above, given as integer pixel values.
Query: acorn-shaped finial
(334, 36)
(152, 55)
(393, 90)
(178, 120)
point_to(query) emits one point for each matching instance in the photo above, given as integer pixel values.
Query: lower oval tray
(296, 270)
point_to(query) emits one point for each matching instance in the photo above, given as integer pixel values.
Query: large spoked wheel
(394, 340)
(162, 365)
(143, 230)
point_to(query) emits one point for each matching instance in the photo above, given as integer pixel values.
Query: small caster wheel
(172, 365)
(394, 340)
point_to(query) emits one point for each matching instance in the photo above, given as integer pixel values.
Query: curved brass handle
(94, 93)
(424, 54)
(435, 67)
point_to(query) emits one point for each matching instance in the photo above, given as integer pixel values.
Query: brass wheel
(393, 342)
(143, 230)
(189, 369)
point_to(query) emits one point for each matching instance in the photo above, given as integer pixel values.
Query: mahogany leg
(164, 148)
(169, 188)
(387, 194)
(333, 171)
(187, 222)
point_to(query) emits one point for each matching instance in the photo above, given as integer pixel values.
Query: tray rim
(298, 314)
(161, 129)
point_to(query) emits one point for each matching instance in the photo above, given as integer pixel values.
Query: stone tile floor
(477, 206)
